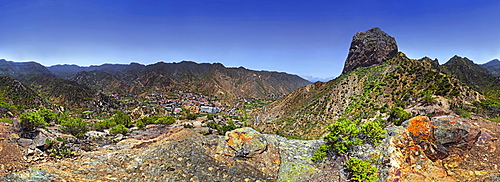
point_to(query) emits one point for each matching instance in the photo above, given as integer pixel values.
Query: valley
(387, 117)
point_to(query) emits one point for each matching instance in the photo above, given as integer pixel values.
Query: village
(178, 103)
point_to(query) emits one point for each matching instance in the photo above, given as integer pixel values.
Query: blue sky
(301, 37)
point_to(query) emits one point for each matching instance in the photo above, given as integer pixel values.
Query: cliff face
(372, 47)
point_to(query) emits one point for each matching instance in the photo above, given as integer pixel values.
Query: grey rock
(26, 143)
(372, 47)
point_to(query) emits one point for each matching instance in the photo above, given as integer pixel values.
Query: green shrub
(121, 118)
(211, 116)
(140, 124)
(427, 97)
(362, 170)
(487, 104)
(31, 120)
(374, 130)
(48, 115)
(58, 148)
(216, 127)
(165, 120)
(398, 115)
(495, 120)
(106, 124)
(148, 120)
(75, 126)
(191, 116)
(229, 127)
(465, 114)
(222, 129)
(320, 154)
(345, 134)
(118, 129)
(5, 120)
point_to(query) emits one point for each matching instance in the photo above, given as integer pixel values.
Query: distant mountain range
(76, 86)
(493, 66)
(476, 76)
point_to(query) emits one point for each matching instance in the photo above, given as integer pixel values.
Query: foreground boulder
(444, 148)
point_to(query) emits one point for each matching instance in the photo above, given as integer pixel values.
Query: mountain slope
(23, 71)
(211, 79)
(367, 92)
(42, 82)
(473, 75)
(364, 93)
(493, 66)
(16, 97)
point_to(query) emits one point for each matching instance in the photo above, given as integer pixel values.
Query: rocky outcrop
(443, 148)
(369, 48)
(185, 155)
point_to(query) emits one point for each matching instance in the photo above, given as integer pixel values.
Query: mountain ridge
(209, 78)
(493, 66)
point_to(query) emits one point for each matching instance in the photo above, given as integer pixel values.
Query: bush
(465, 114)
(148, 120)
(31, 120)
(58, 148)
(5, 120)
(48, 115)
(427, 97)
(374, 130)
(222, 129)
(108, 123)
(211, 116)
(121, 118)
(118, 129)
(191, 116)
(362, 170)
(345, 134)
(398, 115)
(320, 154)
(165, 120)
(497, 120)
(75, 126)
(140, 124)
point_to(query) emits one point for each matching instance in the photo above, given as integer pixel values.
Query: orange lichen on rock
(420, 128)
(246, 142)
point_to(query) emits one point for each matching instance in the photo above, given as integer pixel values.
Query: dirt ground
(11, 155)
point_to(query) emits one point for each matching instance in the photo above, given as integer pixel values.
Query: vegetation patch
(362, 170)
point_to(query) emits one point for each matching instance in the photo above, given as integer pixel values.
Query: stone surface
(246, 142)
(443, 148)
(369, 48)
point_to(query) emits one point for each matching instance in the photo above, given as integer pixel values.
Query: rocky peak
(372, 47)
